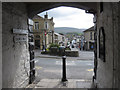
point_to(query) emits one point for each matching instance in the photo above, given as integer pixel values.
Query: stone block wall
(118, 63)
(116, 20)
(15, 55)
(108, 20)
(72, 53)
(0, 45)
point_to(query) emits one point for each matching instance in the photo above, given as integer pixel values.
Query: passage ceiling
(38, 7)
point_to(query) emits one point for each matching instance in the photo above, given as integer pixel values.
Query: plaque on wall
(102, 44)
(20, 38)
(20, 35)
(20, 31)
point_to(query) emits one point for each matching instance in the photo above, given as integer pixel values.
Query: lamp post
(51, 31)
(52, 35)
(46, 27)
(45, 40)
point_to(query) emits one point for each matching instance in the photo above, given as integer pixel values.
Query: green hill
(65, 30)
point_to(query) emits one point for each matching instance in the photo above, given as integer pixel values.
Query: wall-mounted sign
(20, 38)
(102, 44)
(94, 19)
(20, 31)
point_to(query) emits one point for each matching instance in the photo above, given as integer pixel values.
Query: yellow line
(38, 67)
(89, 70)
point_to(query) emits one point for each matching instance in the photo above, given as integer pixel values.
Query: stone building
(15, 55)
(58, 38)
(43, 30)
(63, 41)
(89, 38)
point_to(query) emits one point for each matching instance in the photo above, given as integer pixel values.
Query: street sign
(20, 31)
(20, 38)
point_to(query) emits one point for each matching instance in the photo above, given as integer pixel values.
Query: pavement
(82, 55)
(56, 83)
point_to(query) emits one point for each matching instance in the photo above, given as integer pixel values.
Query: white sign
(20, 31)
(20, 38)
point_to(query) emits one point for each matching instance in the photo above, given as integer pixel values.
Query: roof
(90, 29)
(37, 17)
(57, 34)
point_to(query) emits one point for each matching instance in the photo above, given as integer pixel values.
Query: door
(37, 44)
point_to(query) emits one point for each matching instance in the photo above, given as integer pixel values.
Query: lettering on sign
(20, 31)
(20, 35)
(22, 38)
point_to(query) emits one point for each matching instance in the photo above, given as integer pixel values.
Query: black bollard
(64, 69)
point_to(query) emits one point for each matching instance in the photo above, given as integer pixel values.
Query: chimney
(46, 16)
(52, 18)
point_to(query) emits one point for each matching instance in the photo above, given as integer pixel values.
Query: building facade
(89, 39)
(43, 29)
(60, 39)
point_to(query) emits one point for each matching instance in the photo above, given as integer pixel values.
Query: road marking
(53, 71)
(67, 63)
(38, 67)
(36, 61)
(89, 64)
(82, 80)
(89, 70)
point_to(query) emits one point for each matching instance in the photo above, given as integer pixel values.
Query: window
(90, 35)
(37, 36)
(36, 25)
(46, 25)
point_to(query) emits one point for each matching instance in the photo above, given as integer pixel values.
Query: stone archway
(108, 75)
(35, 8)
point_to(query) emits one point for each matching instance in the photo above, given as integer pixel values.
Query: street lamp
(45, 40)
(51, 31)
(46, 27)
(52, 34)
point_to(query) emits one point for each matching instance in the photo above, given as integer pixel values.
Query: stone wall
(0, 45)
(15, 55)
(116, 18)
(72, 53)
(107, 19)
(118, 63)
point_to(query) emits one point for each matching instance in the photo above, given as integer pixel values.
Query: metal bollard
(64, 69)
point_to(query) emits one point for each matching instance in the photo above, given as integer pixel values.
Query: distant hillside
(65, 30)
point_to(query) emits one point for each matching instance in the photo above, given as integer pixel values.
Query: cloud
(70, 17)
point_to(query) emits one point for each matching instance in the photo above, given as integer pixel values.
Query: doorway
(37, 44)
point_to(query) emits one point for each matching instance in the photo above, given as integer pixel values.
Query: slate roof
(90, 29)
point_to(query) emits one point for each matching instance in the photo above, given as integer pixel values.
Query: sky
(70, 17)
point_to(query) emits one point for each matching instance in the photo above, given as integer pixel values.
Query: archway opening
(73, 29)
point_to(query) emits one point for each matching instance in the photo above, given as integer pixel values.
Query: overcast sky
(70, 17)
